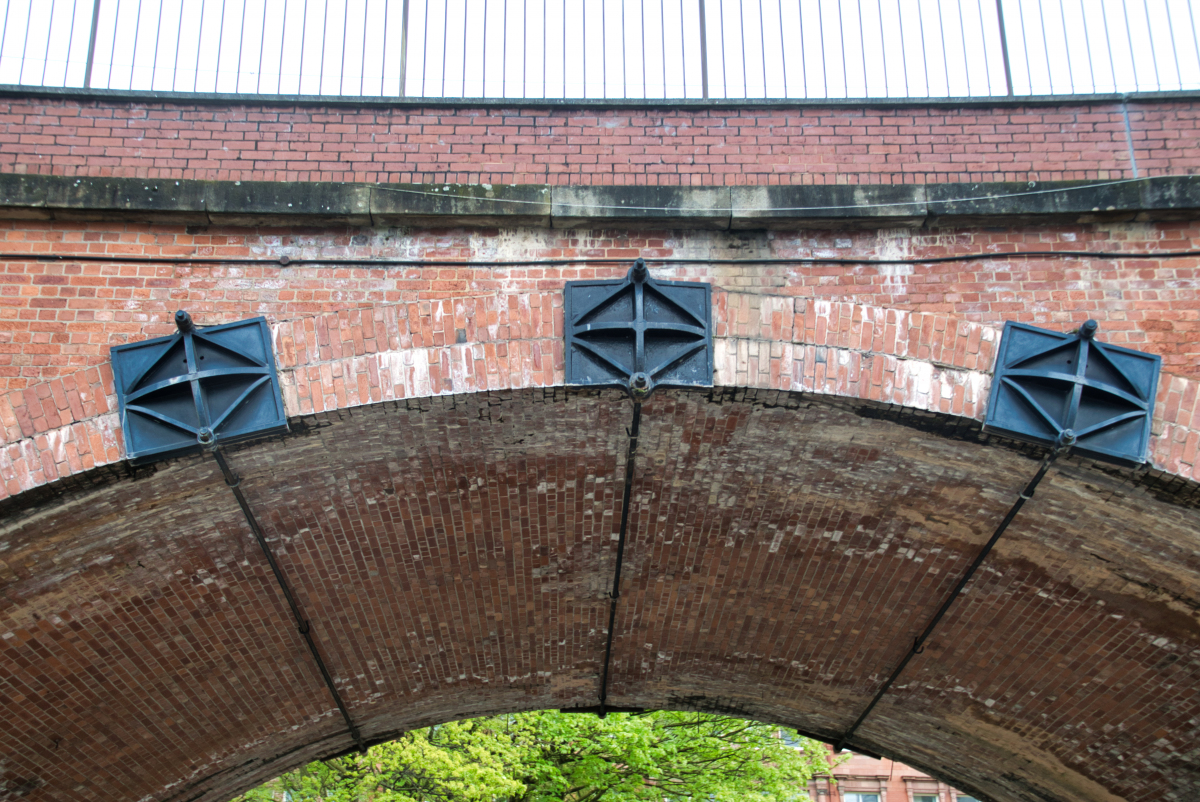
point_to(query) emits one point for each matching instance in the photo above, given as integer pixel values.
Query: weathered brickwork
(60, 317)
(668, 147)
(447, 511)
(454, 555)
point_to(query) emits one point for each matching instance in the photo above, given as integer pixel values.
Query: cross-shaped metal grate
(197, 388)
(639, 333)
(1049, 385)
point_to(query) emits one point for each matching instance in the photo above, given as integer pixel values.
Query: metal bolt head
(184, 321)
(1088, 330)
(640, 272)
(205, 437)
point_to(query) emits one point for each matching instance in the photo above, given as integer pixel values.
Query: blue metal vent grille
(639, 333)
(197, 388)
(1049, 385)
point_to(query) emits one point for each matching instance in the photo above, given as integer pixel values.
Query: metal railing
(605, 48)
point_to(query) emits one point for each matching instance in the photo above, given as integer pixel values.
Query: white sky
(606, 48)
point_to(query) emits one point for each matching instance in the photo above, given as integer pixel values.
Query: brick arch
(454, 553)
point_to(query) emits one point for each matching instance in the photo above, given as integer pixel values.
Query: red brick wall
(59, 318)
(619, 146)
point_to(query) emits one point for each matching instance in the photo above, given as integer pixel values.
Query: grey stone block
(641, 207)
(441, 205)
(254, 203)
(828, 206)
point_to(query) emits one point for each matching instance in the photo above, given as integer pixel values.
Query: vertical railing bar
(782, 48)
(862, 50)
(324, 32)
(824, 59)
(924, 46)
(1153, 49)
(464, 64)
(71, 41)
(1112, 62)
(91, 55)
(237, 79)
(403, 48)
(304, 36)
(962, 27)
(887, 89)
(945, 47)
(682, 49)
(1025, 45)
(220, 45)
(604, 48)
(136, 30)
(724, 55)
(987, 63)
(1137, 84)
(1062, 16)
(483, 91)
(842, 48)
(157, 40)
(345, 29)
(25, 45)
(1045, 46)
(282, 40)
(199, 42)
(262, 44)
(1174, 49)
(703, 51)
(742, 39)
(546, 49)
(178, 41)
(903, 50)
(504, 52)
(662, 35)
(762, 45)
(49, 33)
(1087, 40)
(564, 49)
(803, 54)
(525, 48)
(362, 69)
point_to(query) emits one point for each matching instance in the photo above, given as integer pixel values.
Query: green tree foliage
(555, 757)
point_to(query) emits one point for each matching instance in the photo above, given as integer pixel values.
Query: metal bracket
(639, 333)
(1051, 386)
(197, 388)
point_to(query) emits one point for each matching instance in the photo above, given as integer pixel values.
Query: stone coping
(260, 203)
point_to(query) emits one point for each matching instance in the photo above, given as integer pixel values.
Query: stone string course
(657, 147)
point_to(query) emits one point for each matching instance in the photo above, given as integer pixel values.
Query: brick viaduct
(444, 507)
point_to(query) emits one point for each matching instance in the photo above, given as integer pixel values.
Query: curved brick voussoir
(920, 361)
